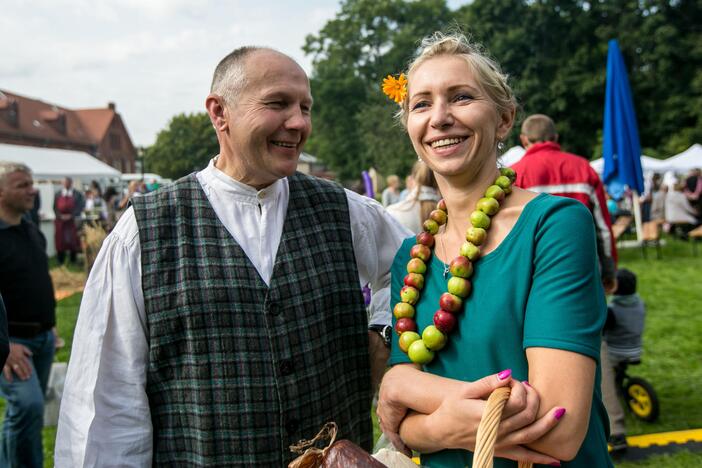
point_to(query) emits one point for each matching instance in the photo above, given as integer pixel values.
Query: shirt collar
(536, 147)
(4, 225)
(215, 178)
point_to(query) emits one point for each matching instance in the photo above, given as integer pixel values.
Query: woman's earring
(419, 158)
(500, 145)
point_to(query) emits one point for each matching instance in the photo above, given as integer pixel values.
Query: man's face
(17, 193)
(67, 183)
(270, 121)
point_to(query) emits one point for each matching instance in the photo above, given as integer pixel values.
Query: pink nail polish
(555, 464)
(504, 374)
(559, 414)
(527, 384)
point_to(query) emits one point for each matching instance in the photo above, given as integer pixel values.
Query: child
(625, 321)
(621, 342)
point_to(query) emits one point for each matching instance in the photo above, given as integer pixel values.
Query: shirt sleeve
(104, 417)
(566, 307)
(376, 238)
(398, 272)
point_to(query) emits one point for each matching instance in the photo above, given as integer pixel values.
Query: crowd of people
(222, 321)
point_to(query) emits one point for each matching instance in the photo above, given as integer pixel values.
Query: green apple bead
(433, 338)
(470, 250)
(416, 265)
(403, 310)
(496, 192)
(431, 226)
(489, 206)
(508, 172)
(504, 183)
(419, 353)
(407, 338)
(459, 287)
(479, 219)
(476, 235)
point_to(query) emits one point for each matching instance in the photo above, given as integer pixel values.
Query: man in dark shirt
(28, 295)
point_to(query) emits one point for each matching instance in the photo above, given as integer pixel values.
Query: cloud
(154, 58)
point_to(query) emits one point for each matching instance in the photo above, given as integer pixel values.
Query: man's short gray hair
(8, 167)
(230, 75)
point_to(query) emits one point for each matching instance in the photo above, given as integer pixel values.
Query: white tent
(691, 158)
(512, 156)
(648, 164)
(55, 164)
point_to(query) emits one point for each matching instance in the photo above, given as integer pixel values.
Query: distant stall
(49, 166)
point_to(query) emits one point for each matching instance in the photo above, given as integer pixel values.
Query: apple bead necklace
(421, 349)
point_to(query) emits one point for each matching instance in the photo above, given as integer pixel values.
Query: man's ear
(555, 138)
(524, 140)
(217, 111)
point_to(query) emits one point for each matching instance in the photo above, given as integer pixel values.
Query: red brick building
(99, 132)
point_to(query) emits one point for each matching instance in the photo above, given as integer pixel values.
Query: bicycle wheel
(642, 399)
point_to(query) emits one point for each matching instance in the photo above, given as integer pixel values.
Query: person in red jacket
(545, 168)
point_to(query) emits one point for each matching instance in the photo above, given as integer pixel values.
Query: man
(68, 205)
(545, 168)
(223, 319)
(28, 295)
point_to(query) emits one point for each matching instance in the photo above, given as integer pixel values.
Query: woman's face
(453, 125)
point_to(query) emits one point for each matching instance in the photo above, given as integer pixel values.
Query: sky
(152, 58)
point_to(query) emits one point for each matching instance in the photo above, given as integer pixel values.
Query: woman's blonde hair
(486, 71)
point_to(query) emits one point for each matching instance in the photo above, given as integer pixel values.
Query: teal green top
(540, 287)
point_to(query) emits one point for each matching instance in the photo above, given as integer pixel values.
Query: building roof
(50, 163)
(45, 123)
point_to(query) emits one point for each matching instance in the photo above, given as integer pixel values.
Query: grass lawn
(672, 290)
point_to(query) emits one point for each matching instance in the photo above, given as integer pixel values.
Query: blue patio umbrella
(621, 149)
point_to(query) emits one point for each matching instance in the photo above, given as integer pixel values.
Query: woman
(679, 212)
(537, 305)
(421, 201)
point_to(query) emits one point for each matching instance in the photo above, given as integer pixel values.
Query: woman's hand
(454, 424)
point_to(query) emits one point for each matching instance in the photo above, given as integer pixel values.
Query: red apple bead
(444, 321)
(420, 251)
(439, 216)
(450, 302)
(442, 205)
(405, 324)
(415, 280)
(425, 238)
(461, 267)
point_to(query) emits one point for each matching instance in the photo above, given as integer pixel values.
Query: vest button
(274, 309)
(287, 367)
(291, 425)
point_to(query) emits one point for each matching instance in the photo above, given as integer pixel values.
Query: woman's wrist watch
(385, 332)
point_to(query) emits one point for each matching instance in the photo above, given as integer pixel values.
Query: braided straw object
(487, 430)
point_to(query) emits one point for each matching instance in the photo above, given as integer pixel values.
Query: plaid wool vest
(238, 371)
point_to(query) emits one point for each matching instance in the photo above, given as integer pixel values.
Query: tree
(186, 145)
(353, 121)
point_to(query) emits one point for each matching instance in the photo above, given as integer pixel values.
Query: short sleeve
(566, 307)
(397, 274)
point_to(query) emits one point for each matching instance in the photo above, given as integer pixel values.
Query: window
(115, 141)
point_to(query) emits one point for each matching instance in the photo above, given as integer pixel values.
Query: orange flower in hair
(395, 88)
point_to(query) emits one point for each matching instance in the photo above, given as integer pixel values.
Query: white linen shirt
(105, 418)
